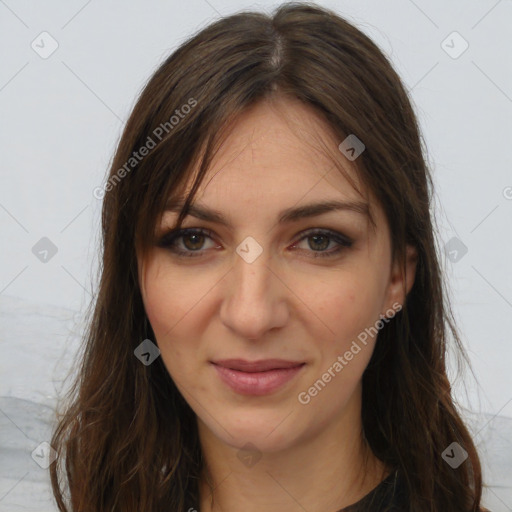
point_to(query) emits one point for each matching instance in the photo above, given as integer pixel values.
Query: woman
(270, 329)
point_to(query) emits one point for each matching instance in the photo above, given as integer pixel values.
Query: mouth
(257, 366)
(256, 378)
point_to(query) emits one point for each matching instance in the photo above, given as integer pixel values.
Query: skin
(286, 304)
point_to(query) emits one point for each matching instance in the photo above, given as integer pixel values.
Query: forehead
(278, 152)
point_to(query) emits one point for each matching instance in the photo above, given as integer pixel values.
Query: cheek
(346, 305)
(348, 309)
(170, 295)
(349, 305)
(174, 307)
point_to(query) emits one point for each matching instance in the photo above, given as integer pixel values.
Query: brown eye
(195, 241)
(186, 242)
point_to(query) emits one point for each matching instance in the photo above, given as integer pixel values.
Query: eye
(190, 242)
(319, 240)
(192, 239)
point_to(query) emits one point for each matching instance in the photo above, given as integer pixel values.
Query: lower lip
(256, 383)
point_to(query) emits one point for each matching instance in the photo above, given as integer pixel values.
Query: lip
(257, 383)
(257, 366)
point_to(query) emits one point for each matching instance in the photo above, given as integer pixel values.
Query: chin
(267, 432)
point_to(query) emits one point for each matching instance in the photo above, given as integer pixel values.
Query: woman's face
(307, 289)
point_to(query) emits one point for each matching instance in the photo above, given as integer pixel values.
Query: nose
(254, 299)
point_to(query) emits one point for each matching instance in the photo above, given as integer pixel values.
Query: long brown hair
(127, 439)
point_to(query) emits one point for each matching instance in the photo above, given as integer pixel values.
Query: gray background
(62, 117)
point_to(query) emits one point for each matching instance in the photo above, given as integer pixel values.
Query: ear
(399, 284)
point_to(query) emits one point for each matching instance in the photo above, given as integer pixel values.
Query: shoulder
(391, 495)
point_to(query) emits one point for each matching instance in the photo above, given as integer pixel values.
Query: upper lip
(257, 366)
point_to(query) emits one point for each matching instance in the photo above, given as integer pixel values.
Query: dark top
(388, 496)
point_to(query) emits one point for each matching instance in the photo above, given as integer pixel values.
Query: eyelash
(168, 241)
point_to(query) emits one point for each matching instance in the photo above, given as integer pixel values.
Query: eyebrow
(286, 216)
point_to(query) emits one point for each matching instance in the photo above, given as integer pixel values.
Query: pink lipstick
(256, 378)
